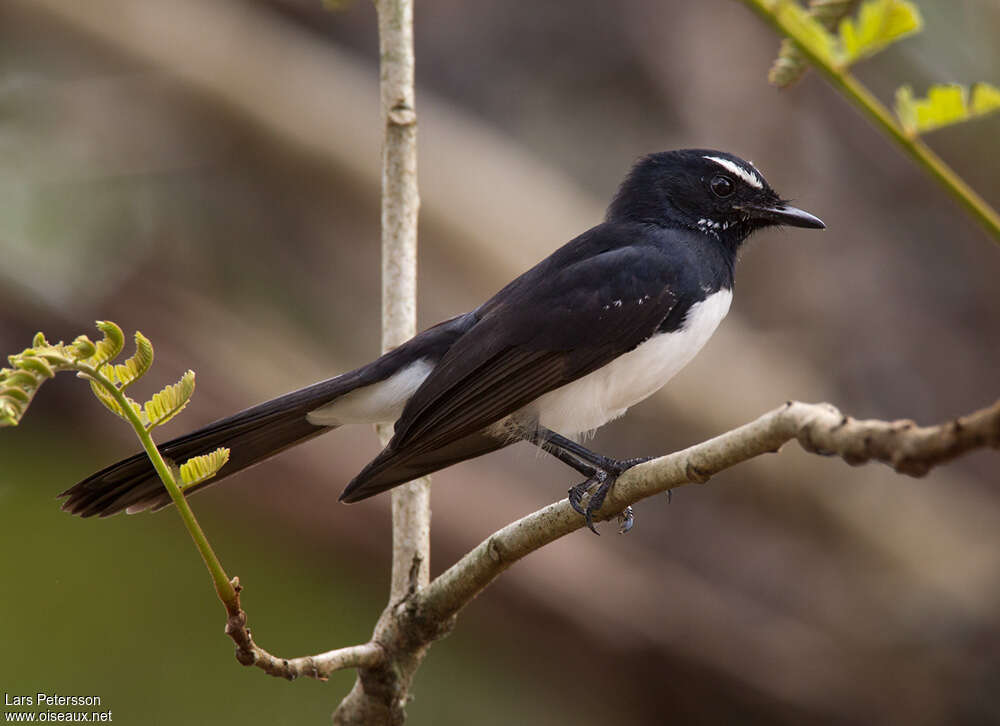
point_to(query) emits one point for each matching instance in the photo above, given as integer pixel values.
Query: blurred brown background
(208, 173)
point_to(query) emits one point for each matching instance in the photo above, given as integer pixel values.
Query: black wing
(547, 329)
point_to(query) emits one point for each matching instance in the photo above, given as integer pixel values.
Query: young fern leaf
(127, 373)
(809, 30)
(790, 65)
(82, 347)
(30, 361)
(985, 99)
(13, 400)
(169, 402)
(29, 369)
(879, 24)
(109, 347)
(93, 361)
(104, 396)
(202, 468)
(943, 106)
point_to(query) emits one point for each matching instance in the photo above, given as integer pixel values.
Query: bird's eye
(722, 186)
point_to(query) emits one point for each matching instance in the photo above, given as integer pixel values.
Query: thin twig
(320, 666)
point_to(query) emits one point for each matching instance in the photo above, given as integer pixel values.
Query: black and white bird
(571, 344)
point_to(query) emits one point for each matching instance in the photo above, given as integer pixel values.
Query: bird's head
(710, 191)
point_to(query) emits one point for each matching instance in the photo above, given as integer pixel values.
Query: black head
(710, 191)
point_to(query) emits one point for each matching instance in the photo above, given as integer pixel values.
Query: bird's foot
(604, 478)
(626, 520)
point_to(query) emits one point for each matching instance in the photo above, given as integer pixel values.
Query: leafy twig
(830, 57)
(790, 64)
(109, 381)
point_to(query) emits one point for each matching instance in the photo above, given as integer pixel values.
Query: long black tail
(252, 436)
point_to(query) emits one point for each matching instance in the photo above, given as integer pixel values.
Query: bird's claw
(577, 493)
(605, 479)
(626, 520)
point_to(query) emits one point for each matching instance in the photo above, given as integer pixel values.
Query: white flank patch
(605, 394)
(746, 175)
(380, 402)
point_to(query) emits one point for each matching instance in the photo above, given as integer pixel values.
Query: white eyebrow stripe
(731, 166)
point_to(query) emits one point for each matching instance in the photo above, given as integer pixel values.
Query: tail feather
(259, 432)
(393, 467)
(252, 436)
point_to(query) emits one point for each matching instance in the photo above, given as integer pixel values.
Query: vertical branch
(379, 695)
(400, 203)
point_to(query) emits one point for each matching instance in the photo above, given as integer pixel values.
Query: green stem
(223, 586)
(883, 118)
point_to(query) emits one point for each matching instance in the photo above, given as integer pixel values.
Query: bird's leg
(592, 473)
(600, 470)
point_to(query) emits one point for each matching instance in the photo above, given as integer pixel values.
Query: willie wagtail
(594, 328)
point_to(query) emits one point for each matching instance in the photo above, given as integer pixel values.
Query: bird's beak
(785, 214)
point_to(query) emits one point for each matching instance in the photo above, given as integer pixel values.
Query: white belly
(606, 393)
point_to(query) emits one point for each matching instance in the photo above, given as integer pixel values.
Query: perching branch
(819, 429)
(408, 627)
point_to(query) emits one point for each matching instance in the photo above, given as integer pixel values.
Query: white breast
(605, 394)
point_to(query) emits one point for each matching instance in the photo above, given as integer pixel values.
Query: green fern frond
(82, 347)
(30, 361)
(169, 402)
(93, 361)
(16, 390)
(108, 348)
(29, 369)
(944, 105)
(879, 24)
(16, 393)
(13, 377)
(202, 468)
(809, 31)
(136, 366)
(985, 99)
(9, 414)
(790, 64)
(110, 402)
